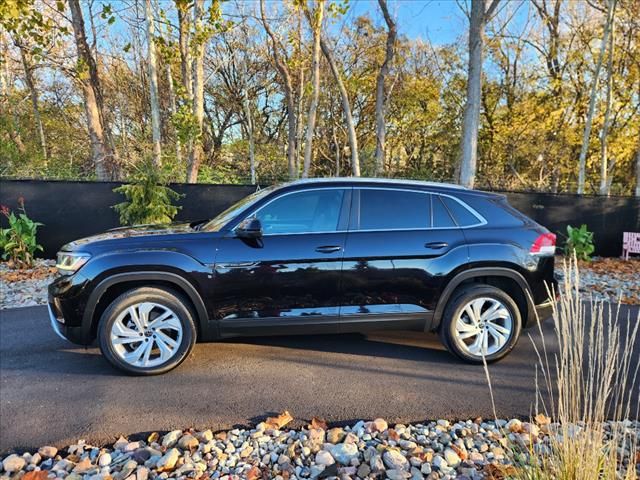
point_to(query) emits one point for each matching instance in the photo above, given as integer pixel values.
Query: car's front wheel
(147, 331)
(480, 321)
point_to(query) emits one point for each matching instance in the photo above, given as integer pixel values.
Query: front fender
(178, 269)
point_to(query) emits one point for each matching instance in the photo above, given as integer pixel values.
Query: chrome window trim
(344, 187)
(481, 220)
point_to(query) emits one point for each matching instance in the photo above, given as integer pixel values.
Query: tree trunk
(584, 150)
(283, 72)
(471, 119)
(250, 134)
(638, 168)
(185, 53)
(90, 85)
(380, 94)
(605, 182)
(346, 107)
(153, 85)
(173, 109)
(29, 81)
(195, 150)
(316, 25)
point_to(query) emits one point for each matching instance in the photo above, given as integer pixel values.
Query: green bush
(580, 242)
(18, 242)
(149, 199)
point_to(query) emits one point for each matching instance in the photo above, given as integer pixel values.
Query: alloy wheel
(146, 334)
(483, 327)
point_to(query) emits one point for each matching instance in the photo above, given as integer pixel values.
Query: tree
(346, 107)
(195, 143)
(285, 76)
(89, 80)
(605, 177)
(471, 120)
(380, 92)
(153, 84)
(315, 20)
(31, 85)
(584, 150)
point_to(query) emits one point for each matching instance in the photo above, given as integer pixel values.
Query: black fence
(71, 210)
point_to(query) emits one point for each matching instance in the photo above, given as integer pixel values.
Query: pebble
(401, 452)
(48, 452)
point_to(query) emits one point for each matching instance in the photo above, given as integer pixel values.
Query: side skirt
(322, 324)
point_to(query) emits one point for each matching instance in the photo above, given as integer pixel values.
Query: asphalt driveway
(53, 392)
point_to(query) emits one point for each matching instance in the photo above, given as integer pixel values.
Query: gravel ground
(606, 279)
(25, 288)
(473, 449)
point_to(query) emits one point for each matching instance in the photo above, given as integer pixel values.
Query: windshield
(234, 210)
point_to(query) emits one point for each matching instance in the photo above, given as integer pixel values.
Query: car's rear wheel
(147, 331)
(480, 321)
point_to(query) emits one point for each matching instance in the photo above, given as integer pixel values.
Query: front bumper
(66, 304)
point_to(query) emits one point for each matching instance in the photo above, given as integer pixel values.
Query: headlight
(70, 262)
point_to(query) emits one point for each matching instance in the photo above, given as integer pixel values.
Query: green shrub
(149, 199)
(18, 242)
(580, 242)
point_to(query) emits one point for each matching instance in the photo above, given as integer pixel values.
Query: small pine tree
(149, 199)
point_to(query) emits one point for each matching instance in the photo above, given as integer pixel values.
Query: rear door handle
(436, 245)
(329, 248)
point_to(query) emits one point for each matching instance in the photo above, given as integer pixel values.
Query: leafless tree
(285, 76)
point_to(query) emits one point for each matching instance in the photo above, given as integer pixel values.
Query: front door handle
(436, 245)
(329, 249)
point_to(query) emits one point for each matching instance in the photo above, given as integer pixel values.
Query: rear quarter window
(461, 214)
(495, 209)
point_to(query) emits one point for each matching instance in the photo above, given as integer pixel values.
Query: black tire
(161, 296)
(456, 304)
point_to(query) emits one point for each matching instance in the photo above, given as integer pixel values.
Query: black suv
(311, 256)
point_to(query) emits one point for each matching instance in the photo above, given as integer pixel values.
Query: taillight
(545, 245)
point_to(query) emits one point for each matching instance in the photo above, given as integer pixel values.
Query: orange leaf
(279, 421)
(393, 435)
(317, 422)
(542, 419)
(39, 475)
(254, 473)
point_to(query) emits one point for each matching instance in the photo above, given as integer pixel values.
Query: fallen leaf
(542, 419)
(254, 473)
(317, 422)
(279, 421)
(461, 453)
(153, 437)
(39, 475)
(496, 471)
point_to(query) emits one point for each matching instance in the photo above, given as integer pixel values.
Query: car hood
(130, 233)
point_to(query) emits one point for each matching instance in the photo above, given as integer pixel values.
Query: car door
(290, 276)
(396, 258)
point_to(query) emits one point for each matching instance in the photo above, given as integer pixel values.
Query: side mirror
(249, 228)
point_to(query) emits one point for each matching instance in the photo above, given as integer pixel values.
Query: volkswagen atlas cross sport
(312, 256)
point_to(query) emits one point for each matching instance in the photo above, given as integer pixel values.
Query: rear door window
(387, 209)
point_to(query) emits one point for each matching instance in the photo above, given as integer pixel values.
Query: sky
(441, 21)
